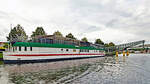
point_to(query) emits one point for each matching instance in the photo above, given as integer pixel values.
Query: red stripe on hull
(50, 54)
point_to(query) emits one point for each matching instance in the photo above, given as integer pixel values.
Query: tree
(111, 44)
(84, 39)
(38, 31)
(70, 36)
(99, 41)
(17, 34)
(106, 45)
(57, 33)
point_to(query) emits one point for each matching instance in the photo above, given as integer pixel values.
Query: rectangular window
(30, 48)
(19, 48)
(67, 49)
(87, 50)
(25, 48)
(13, 49)
(74, 50)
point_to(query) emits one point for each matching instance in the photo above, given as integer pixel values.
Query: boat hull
(35, 58)
(46, 60)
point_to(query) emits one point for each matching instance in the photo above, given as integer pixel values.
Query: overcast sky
(115, 21)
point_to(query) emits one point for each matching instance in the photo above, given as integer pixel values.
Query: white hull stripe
(50, 54)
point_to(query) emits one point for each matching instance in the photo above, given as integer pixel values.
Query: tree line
(18, 34)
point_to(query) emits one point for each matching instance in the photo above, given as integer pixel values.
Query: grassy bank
(48, 76)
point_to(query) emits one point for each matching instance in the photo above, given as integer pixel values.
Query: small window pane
(19, 48)
(30, 48)
(25, 48)
(74, 50)
(67, 49)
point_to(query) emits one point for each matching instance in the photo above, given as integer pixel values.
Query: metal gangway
(121, 47)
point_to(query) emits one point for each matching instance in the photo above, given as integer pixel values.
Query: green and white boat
(42, 52)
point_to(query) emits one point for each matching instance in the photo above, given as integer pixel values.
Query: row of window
(81, 50)
(84, 50)
(74, 50)
(20, 48)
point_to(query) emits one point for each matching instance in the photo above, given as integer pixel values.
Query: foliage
(70, 36)
(106, 45)
(57, 33)
(38, 31)
(5, 45)
(111, 44)
(84, 39)
(17, 34)
(99, 41)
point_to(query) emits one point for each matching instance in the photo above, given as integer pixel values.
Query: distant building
(56, 39)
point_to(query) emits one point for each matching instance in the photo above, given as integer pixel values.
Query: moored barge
(25, 52)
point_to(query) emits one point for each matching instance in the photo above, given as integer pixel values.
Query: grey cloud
(86, 16)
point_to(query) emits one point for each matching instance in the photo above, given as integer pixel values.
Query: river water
(132, 69)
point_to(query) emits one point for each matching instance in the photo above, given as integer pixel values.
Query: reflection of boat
(137, 52)
(41, 52)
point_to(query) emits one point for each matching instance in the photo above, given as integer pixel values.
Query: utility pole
(143, 44)
(9, 46)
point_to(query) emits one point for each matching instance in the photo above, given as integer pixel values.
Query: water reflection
(124, 58)
(1, 62)
(109, 70)
(117, 59)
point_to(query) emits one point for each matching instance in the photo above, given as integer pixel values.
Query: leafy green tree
(99, 41)
(38, 31)
(106, 45)
(84, 39)
(70, 36)
(17, 34)
(57, 33)
(111, 44)
(5, 45)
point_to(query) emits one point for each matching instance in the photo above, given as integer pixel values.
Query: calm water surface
(134, 69)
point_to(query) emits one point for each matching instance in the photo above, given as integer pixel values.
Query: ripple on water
(125, 71)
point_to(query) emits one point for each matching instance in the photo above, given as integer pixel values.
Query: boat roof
(32, 44)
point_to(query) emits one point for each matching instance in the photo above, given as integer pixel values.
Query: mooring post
(116, 53)
(123, 53)
(127, 52)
